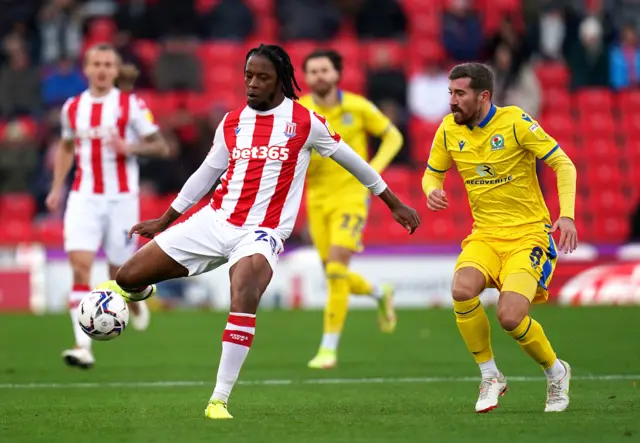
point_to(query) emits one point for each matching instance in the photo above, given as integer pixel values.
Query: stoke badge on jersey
(290, 129)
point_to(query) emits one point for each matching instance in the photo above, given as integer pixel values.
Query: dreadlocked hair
(284, 68)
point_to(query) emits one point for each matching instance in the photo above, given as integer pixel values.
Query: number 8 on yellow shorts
(338, 224)
(534, 254)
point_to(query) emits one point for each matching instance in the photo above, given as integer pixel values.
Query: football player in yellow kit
(337, 204)
(510, 246)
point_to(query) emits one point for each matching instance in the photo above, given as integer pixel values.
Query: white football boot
(558, 391)
(80, 357)
(141, 320)
(490, 391)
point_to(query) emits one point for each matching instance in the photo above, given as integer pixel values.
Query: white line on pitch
(312, 381)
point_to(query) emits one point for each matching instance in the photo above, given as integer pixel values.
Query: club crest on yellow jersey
(497, 142)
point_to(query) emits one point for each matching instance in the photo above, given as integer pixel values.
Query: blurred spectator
(385, 81)
(428, 96)
(61, 30)
(462, 32)
(508, 35)
(123, 43)
(624, 59)
(635, 226)
(178, 67)
(229, 20)
(515, 83)
(64, 81)
(19, 86)
(175, 17)
(380, 19)
(547, 33)
(307, 19)
(133, 16)
(18, 157)
(587, 57)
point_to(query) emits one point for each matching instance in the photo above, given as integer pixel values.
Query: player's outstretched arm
(196, 187)
(360, 169)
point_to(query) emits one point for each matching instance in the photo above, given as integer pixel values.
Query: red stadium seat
(49, 233)
(422, 134)
(611, 202)
(553, 75)
(353, 80)
(300, 49)
(602, 148)
(221, 53)
(630, 125)
(349, 49)
(412, 7)
(20, 207)
(424, 53)
(102, 29)
(384, 53)
(424, 26)
(611, 229)
(14, 232)
(628, 101)
(148, 51)
(594, 100)
(558, 123)
(599, 124)
(261, 7)
(557, 100)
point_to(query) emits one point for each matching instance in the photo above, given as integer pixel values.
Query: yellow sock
(358, 285)
(335, 311)
(473, 325)
(532, 340)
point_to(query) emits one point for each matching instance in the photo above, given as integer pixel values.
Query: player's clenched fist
(437, 200)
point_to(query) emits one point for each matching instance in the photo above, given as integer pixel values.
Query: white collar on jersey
(99, 99)
(285, 102)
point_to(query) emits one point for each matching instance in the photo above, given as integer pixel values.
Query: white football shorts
(206, 241)
(91, 221)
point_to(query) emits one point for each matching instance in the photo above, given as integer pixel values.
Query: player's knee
(126, 277)
(510, 317)
(463, 293)
(81, 273)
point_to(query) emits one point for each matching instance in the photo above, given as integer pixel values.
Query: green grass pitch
(418, 385)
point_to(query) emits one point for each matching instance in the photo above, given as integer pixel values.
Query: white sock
(377, 292)
(330, 341)
(489, 369)
(236, 342)
(75, 297)
(556, 371)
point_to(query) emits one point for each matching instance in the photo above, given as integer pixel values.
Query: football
(103, 315)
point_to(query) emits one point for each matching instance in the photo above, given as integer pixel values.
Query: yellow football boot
(217, 410)
(387, 319)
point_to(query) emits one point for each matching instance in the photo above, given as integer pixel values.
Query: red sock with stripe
(75, 297)
(236, 342)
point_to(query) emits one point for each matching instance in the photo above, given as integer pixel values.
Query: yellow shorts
(534, 253)
(337, 223)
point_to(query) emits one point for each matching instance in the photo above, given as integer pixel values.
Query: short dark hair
(333, 56)
(282, 64)
(480, 74)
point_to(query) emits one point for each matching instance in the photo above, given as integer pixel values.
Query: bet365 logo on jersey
(261, 153)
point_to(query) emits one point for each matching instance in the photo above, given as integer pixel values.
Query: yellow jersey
(497, 161)
(354, 118)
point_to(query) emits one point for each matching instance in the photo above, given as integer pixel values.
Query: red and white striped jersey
(267, 154)
(91, 122)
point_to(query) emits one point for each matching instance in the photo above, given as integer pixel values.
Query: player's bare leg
(249, 277)
(141, 317)
(513, 314)
(81, 263)
(136, 279)
(473, 324)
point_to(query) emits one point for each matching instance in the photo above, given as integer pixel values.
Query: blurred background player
(263, 150)
(510, 247)
(337, 204)
(103, 128)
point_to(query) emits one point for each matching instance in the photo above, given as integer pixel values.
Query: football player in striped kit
(104, 129)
